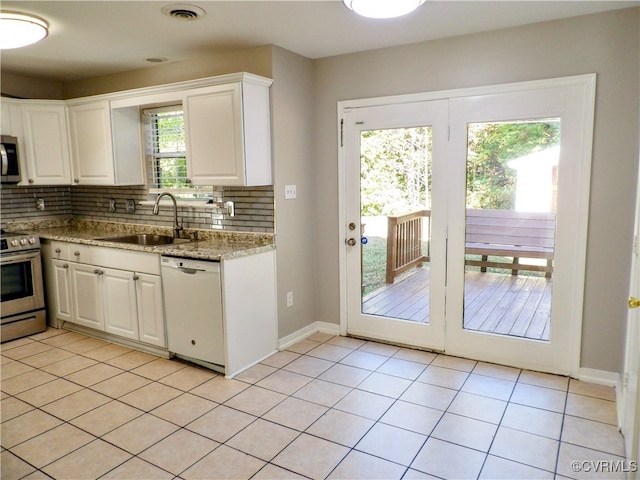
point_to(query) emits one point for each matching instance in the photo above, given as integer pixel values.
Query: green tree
(490, 181)
(395, 170)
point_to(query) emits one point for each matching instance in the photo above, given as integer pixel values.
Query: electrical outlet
(290, 192)
(112, 204)
(130, 206)
(289, 299)
(40, 204)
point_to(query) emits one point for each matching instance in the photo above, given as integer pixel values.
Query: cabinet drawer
(139, 262)
(79, 253)
(60, 250)
(74, 252)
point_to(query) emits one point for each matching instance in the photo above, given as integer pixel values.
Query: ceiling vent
(183, 11)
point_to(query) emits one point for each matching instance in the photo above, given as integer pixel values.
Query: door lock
(351, 242)
(352, 226)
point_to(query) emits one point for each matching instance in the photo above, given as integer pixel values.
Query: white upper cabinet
(99, 140)
(45, 146)
(43, 139)
(91, 148)
(228, 133)
(100, 150)
(10, 118)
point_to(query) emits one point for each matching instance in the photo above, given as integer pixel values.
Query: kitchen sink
(148, 239)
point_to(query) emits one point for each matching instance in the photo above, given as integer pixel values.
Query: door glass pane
(512, 173)
(395, 209)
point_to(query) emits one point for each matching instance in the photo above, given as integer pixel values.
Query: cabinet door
(46, 144)
(62, 290)
(87, 298)
(150, 309)
(213, 130)
(8, 117)
(91, 148)
(119, 297)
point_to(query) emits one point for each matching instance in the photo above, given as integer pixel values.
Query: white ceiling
(92, 38)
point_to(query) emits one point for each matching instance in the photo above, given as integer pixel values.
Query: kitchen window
(166, 154)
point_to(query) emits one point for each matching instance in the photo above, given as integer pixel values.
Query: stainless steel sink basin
(147, 239)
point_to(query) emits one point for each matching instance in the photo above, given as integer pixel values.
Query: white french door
(418, 131)
(394, 207)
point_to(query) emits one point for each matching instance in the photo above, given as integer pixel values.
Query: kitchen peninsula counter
(215, 245)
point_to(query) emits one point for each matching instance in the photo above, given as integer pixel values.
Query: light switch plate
(290, 192)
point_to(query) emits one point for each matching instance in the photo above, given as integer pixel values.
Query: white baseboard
(315, 327)
(609, 379)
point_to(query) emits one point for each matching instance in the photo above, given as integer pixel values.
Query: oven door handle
(5, 160)
(17, 258)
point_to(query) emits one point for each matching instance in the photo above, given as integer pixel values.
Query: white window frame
(204, 193)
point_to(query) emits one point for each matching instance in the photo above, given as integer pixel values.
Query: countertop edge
(198, 249)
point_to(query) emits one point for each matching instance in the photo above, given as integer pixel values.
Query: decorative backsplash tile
(21, 203)
(254, 207)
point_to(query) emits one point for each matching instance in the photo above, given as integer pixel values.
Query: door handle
(634, 302)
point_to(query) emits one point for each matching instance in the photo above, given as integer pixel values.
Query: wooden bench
(507, 233)
(495, 233)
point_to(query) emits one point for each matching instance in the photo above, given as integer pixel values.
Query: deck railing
(496, 233)
(405, 244)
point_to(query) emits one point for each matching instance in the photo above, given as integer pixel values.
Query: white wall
(607, 44)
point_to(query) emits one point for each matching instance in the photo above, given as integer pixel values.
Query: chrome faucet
(156, 208)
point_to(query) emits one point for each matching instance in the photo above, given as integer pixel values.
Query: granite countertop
(214, 245)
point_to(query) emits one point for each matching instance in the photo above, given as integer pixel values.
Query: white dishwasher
(192, 294)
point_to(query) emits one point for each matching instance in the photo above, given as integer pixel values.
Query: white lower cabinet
(61, 275)
(120, 302)
(86, 294)
(150, 309)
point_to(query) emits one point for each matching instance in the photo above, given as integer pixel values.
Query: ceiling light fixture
(19, 30)
(383, 8)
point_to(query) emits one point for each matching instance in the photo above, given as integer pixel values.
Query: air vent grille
(183, 12)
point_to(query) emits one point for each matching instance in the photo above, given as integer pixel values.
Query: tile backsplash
(20, 203)
(254, 207)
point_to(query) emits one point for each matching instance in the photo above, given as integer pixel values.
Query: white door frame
(629, 396)
(588, 83)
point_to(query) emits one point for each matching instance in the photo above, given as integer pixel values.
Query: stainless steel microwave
(10, 159)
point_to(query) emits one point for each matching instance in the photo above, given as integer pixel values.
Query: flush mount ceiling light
(19, 30)
(383, 8)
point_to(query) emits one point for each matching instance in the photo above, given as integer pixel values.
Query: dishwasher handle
(189, 271)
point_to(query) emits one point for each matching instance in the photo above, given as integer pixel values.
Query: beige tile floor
(328, 407)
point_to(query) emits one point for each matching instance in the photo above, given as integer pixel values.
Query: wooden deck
(506, 304)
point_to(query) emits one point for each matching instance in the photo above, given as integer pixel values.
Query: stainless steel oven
(21, 289)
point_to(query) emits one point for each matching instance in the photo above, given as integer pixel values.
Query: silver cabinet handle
(66, 265)
(98, 272)
(136, 277)
(58, 250)
(77, 254)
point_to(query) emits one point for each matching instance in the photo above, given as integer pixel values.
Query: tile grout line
(395, 399)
